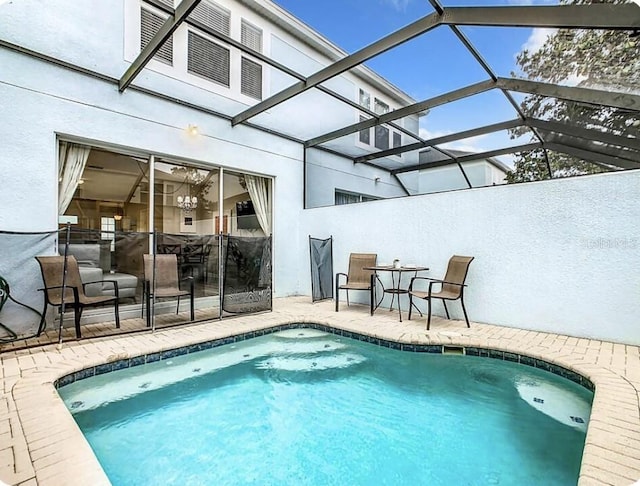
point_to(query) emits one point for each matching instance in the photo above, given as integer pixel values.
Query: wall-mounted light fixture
(192, 129)
(376, 179)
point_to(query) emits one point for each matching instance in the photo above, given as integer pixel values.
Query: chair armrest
(343, 274)
(115, 286)
(191, 281)
(434, 281)
(76, 296)
(413, 279)
(58, 287)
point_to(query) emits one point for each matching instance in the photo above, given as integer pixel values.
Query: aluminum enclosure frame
(623, 17)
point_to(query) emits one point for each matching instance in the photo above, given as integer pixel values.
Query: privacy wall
(557, 256)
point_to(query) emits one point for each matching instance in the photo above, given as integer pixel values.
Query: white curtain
(258, 188)
(71, 159)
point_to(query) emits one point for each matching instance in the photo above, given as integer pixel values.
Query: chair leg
(337, 293)
(148, 301)
(192, 305)
(410, 304)
(144, 298)
(117, 311)
(464, 311)
(178, 306)
(372, 294)
(43, 320)
(446, 311)
(428, 314)
(347, 297)
(77, 314)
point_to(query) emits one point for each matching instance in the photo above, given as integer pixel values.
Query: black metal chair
(452, 287)
(165, 283)
(358, 278)
(53, 268)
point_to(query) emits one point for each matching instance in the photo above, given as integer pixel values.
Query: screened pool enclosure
(570, 108)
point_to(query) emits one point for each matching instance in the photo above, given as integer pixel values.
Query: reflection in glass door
(185, 214)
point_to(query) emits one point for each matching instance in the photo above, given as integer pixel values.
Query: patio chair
(358, 278)
(52, 268)
(166, 284)
(451, 287)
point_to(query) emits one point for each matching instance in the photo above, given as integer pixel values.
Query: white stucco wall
(40, 101)
(560, 256)
(327, 172)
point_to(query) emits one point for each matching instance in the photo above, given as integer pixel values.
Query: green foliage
(605, 60)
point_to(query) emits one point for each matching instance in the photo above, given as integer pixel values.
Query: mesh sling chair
(167, 283)
(451, 287)
(52, 268)
(358, 278)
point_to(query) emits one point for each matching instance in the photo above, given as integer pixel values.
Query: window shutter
(150, 24)
(166, 3)
(251, 79)
(208, 59)
(213, 16)
(251, 36)
(364, 135)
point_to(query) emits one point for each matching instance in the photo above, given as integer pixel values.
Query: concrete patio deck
(40, 444)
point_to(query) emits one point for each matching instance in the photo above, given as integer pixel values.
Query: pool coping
(48, 447)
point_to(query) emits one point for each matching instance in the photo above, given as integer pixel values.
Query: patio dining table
(396, 289)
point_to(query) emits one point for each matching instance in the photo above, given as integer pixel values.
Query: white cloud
(472, 144)
(575, 79)
(467, 145)
(428, 134)
(537, 38)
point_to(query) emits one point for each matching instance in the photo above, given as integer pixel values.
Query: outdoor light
(192, 129)
(187, 203)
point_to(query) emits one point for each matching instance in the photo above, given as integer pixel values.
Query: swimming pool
(306, 407)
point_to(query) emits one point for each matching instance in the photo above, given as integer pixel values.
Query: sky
(432, 64)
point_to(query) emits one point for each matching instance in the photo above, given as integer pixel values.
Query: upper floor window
(365, 135)
(207, 56)
(251, 36)
(213, 16)
(251, 79)
(150, 23)
(380, 108)
(365, 99)
(251, 71)
(208, 59)
(346, 197)
(383, 137)
(397, 140)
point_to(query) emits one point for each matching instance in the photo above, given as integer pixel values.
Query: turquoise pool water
(308, 408)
